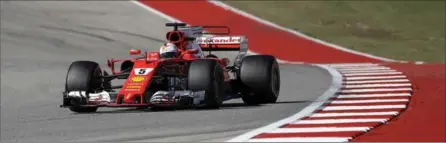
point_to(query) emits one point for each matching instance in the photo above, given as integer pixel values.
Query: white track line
(374, 77)
(152, 10)
(356, 67)
(376, 81)
(378, 73)
(342, 69)
(320, 101)
(353, 114)
(353, 65)
(377, 85)
(374, 90)
(335, 121)
(332, 108)
(369, 101)
(283, 61)
(369, 71)
(318, 129)
(302, 139)
(363, 69)
(373, 95)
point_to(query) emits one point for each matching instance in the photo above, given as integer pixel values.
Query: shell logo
(138, 79)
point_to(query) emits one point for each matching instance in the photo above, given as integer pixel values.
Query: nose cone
(131, 98)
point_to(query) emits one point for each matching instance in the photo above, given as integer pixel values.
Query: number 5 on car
(143, 71)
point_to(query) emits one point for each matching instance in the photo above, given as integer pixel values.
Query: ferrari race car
(153, 81)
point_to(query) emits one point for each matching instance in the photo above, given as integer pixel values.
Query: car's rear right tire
(82, 76)
(260, 76)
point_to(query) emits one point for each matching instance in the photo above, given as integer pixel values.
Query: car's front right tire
(82, 76)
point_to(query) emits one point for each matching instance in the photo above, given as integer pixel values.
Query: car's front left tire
(207, 75)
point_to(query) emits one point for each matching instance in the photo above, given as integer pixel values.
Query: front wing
(106, 99)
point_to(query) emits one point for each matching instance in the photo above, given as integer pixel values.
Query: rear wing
(197, 31)
(223, 43)
(212, 43)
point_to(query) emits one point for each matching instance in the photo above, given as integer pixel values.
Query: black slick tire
(83, 76)
(207, 75)
(260, 76)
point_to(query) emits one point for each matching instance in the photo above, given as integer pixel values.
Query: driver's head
(168, 50)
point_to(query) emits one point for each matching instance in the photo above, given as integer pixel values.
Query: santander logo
(219, 40)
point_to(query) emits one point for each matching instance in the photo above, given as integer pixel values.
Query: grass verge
(403, 30)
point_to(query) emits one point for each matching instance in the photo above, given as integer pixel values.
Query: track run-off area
(321, 98)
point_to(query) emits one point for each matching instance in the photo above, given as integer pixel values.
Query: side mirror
(109, 63)
(135, 52)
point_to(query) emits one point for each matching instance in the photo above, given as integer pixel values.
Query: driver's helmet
(168, 50)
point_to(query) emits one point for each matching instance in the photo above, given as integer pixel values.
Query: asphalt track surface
(40, 39)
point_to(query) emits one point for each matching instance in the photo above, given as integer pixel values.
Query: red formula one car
(153, 81)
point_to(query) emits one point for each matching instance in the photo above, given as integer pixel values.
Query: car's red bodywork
(147, 65)
(143, 71)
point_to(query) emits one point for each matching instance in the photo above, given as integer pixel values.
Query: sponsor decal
(138, 79)
(133, 87)
(219, 40)
(99, 98)
(134, 83)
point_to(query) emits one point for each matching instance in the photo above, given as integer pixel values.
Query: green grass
(403, 30)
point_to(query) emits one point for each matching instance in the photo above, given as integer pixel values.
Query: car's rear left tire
(82, 76)
(207, 75)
